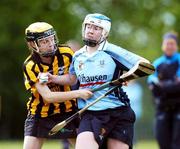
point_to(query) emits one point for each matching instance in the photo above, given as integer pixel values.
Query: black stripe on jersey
(117, 73)
(50, 69)
(119, 91)
(62, 107)
(60, 64)
(39, 106)
(118, 70)
(124, 97)
(69, 56)
(74, 106)
(60, 60)
(40, 67)
(36, 58)
(51, 109)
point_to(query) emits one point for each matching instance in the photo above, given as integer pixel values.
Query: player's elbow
(73, 81)
(47, 98)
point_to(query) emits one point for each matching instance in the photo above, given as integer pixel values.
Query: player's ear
(30, 44)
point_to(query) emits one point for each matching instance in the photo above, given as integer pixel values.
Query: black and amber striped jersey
(59, 66)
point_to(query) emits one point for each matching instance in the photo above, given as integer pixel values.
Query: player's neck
(46, 60)
(91, 50)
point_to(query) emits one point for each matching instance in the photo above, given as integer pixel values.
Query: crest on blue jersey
(81, 65)
(101, 63)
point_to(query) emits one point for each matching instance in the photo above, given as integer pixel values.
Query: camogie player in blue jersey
(111, 118)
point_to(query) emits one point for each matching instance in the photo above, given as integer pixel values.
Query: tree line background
(137, 25)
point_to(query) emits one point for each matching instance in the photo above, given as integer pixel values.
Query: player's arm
(66, 79)
(52, 97)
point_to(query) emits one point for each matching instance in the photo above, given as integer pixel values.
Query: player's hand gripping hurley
(141, 69)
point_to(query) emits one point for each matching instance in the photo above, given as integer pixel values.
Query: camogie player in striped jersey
(111, 118)
(49, 103)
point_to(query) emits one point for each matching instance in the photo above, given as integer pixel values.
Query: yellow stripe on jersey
(66, 50)
(34, 104)
(32, 67)
(55, 66)
(37, 68)
(56, 109)
(67, 63)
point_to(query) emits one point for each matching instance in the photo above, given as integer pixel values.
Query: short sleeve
(30, 77)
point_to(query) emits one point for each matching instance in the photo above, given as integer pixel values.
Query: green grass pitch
(55, 144)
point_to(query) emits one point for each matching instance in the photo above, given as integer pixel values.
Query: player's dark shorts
(112, 123)
(40, 127)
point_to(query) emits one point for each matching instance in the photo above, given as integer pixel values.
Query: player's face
(93, 32)
(169, 46)
(46, 44)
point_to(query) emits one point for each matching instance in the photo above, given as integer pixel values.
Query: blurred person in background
(74, 45)
(165, 86)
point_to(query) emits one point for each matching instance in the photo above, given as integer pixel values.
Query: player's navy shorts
(40, 127)
(111, 123)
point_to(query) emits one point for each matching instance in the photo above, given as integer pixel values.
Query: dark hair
(172, 35)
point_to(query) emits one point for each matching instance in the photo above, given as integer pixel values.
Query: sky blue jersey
(164, 59)
(94, 69)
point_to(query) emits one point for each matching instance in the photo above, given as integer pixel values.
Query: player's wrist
(76, 94)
